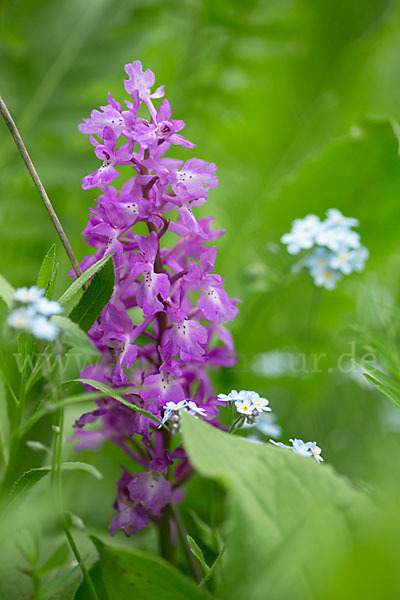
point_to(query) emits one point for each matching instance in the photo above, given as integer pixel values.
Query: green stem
(78, 558)
(9, 473)
(38, 184)
(57, 485)
(190, 559)
(167, 548)
(210, 573)
(236, 424)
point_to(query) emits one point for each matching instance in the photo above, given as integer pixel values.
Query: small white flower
(261, 404)
(171, 408)
(319, 259)
(47, 307)
(27, 295)
(233, 395)
(316, 451)
(244, 407)
(302, 235)
(175, 405)
(334, 218)
(306, 449)
(300, 447)
(326, 278)
(280, 445)
(336, 238)
(43, 329)
(358, 258)
(195, 410)
(243, 395)
(342, 261)
(21, 318)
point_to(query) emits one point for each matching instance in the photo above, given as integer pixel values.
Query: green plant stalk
(190, 559)
(57, 486)
(210, 573)
(166, 546)
(15, 440)
(236, 424)
(38, 184)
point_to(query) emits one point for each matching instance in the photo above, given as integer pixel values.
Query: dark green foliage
(95, 297)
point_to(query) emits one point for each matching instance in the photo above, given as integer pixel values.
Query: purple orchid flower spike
(163, 328)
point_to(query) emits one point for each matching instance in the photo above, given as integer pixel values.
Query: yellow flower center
(328, 274)
(322, 261)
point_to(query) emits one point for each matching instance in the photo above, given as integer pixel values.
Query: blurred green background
(296, 101)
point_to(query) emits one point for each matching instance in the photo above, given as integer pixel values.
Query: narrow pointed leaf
(47, 269)
(95, 298)
(78, 283)
(6, 291)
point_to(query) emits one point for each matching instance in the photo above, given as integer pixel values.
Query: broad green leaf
(74, 336)
(95, 297)
(198, 553)
(282, 507)
(105, 389)
(133, 574)
(78, 283)
(28, 479)
(46, 271)
(6, 291)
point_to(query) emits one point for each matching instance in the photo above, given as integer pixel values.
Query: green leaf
(26, 352)
(133, 574)
(102, 387)
(387, 392)
(55, 561)
(52, 588)
(78, 283)
(52, 281)
(198, 553)
(74, 336)
(384, 378)
(82, 466)
(95, 298)
(46, 271)
(281, 508)
(6, 291)
(28, 479)
(209, 535)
